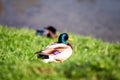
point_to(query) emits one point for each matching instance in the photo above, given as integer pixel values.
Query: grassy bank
(91, 59)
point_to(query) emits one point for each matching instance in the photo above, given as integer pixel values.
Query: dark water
(97, 18)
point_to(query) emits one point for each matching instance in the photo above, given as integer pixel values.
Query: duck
(49, 32)
(57, 51)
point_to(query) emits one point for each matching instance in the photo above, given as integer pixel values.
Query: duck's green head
(63, 38)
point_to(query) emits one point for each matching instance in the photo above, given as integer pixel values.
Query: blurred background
(96, 18)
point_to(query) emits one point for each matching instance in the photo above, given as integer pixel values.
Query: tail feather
(41, 55)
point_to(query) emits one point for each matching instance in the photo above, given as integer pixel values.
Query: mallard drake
(57, 51)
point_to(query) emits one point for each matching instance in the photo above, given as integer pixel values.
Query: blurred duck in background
(50, 32)
(57, 51)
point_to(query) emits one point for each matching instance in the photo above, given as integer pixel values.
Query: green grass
(91, 59)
